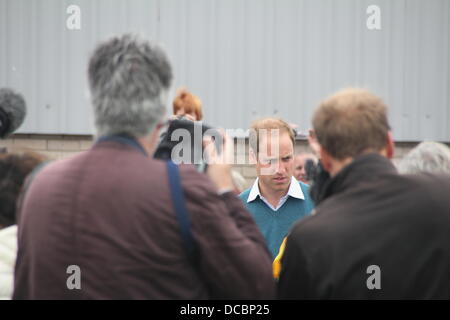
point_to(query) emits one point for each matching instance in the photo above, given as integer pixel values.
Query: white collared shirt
(294, 191)
(8, 252)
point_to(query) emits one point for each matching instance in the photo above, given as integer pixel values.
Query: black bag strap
(180, 208)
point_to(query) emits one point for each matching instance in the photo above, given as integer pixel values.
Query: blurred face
(299, 167)
(275, 163)
(191, 116)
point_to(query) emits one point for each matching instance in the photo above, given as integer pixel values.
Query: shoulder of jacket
(194, 181)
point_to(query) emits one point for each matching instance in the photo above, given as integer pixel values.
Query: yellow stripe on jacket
(276, 265)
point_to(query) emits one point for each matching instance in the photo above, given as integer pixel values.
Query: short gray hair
(129, 79)
(428, 156)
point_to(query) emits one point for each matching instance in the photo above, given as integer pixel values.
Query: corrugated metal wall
(244, 58)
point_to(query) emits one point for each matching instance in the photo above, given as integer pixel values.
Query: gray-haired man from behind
(114, 223)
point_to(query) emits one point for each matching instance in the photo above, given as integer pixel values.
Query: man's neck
(150, 142)
(272, 196)
(338, 165)
(146, 145)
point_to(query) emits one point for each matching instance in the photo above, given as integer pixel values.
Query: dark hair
(12, 111)
(14, 169)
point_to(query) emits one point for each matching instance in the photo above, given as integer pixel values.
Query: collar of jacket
(362, 169)
(123, 139)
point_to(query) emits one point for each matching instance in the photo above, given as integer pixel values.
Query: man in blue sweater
(276, 200)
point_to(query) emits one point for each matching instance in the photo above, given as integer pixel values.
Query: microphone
(12, 111)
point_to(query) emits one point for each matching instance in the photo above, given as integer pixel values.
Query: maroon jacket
(109, 211)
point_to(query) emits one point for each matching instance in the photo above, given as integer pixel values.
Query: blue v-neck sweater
(275, 225)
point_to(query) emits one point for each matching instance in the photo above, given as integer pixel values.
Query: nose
(280, 168)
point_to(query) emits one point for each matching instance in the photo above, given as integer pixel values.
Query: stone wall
(61, 146)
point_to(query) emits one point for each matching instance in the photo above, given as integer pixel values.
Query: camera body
(310, 169)
(182, 142)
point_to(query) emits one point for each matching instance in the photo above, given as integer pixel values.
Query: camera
(182, 142)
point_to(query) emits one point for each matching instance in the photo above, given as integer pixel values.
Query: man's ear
(325, 159)
(390, 146)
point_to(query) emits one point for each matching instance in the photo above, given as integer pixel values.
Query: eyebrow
(279, 157)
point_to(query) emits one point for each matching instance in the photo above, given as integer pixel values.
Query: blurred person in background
(187, 116)
(276, 200)
(304, 167)
(428, 156)
(14, 168)
(187, 105)
(376, 234)
(133, 226)
(187, 110)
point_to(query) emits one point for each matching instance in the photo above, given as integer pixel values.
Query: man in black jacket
(376, 234)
